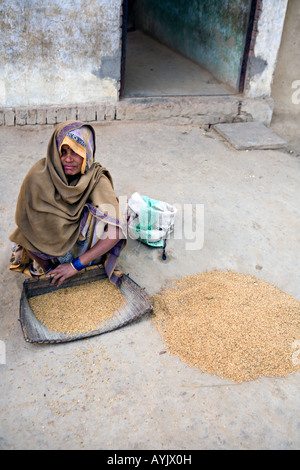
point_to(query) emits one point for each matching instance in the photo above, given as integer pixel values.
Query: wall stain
(51, 47)
(109, 68)
(257, 65)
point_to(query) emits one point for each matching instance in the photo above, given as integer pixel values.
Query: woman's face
(71, 161)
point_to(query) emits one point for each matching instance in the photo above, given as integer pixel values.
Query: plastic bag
(150, 220)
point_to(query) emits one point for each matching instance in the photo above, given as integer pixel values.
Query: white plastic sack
(149, 220)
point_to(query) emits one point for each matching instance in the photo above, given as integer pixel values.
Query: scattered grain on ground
(79, 309)
(232, 325)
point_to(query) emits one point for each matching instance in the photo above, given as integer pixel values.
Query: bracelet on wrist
(77, 265)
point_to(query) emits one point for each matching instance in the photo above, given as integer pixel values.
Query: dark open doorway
(179, 47)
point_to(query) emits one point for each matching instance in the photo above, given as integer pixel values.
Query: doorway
(184, 48)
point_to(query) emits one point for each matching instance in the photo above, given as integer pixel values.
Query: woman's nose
(68, 154)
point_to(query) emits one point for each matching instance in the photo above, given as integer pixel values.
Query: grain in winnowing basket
(79, 309)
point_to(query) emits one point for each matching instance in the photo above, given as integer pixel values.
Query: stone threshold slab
(250, 135)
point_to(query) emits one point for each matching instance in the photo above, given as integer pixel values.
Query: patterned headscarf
(81, 141)
(49, 208)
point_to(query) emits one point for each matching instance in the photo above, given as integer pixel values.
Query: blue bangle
(76, 264)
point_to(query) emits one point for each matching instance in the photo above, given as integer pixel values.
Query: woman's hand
(64, 271)
(61, 273)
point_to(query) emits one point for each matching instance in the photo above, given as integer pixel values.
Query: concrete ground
(153, 69)
(117, 391)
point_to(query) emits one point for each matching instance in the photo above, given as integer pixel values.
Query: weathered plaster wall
(55, 52)
(286, 85)
(262, 64)
(210, 32)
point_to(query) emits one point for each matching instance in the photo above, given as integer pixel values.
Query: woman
(67, 212)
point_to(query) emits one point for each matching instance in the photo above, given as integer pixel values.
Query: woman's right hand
(61, 273)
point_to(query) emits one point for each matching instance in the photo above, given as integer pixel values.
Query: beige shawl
(49, 209)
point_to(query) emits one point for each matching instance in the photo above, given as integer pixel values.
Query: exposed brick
(87, 113)
(41, 115)
(32, 116)
(61, 115)
(66, 114)
(110, 112)
(100, 110)
(9, 117)
(51, 115)
(21, 117)
(71, 113)
(259, 5)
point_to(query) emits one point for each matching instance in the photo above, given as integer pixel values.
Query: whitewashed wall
(59, 52)
(262, 66)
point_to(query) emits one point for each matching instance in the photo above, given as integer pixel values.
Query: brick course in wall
(202, 110)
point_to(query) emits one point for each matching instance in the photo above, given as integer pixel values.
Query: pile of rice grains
(232, 325)
(79, 309)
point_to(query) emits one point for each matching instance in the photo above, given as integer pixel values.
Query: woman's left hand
(61, 273)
